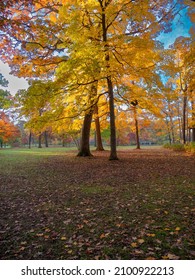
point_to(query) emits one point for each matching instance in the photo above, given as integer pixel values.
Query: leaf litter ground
(55, 205)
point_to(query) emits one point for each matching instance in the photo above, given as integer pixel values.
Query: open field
(55, 205)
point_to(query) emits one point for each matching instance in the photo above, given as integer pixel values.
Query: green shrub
(190, 147)
(167, 146)
(178, 147)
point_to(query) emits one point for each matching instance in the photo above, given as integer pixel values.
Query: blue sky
(180, 27)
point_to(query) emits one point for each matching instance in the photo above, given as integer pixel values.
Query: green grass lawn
(55, 205)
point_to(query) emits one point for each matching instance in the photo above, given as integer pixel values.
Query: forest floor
(55, 205)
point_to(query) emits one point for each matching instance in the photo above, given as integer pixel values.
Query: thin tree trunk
(98, 138)
(113, 153)
(46, 139)
(193, 121)
(179, 121)
(168, 130)
(95, 139)
(184, 118)
(136, 127)
(63, 141)
(29, 140)
(39, 140)
(193, 134)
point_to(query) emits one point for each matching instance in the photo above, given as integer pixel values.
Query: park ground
(55, 205)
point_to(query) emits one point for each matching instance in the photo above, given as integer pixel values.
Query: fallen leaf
(103, 235)
(141, 241)
(177, 228)
(170, 256)
(150, 258)
(63, 238)
(134, 244)
(39, 234)
(151, 234)
(46, 236)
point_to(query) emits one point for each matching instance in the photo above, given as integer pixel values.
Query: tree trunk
(193, 121)
(98, 138)
(168, 130)
(179, 121)
(113, 153)
(95, 139)
(85, 147)
(85, 135)
(46, 139)
(184, 118)
(29, 140)
(136, 127)
(39, 140)
(193, 134)
(63, 142)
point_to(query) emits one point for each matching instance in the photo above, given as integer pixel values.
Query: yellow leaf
(165, 257)
(63, 238)
(172, 257)
(150, 258)
(151, 234)
(134, 244)
(177, 228)
(39, 234)
(140, 241)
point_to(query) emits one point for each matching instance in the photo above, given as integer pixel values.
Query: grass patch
(57, 206)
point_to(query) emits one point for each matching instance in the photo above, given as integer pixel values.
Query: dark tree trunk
(113, 153)
(193, 134)
(39, 141)
(98, 138)
(184, 118)
(193, 121)
(84, 146)
(136, 128)
(63, 142)
(84, 150)
(46, 139)
(1, 144)
(168, 130)
(29, 140)
(95, 139)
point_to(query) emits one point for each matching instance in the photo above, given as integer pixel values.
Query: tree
(51, 38)
(8, 131)
(34, 104)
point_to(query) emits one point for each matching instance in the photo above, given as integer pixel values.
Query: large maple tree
(88, 46)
